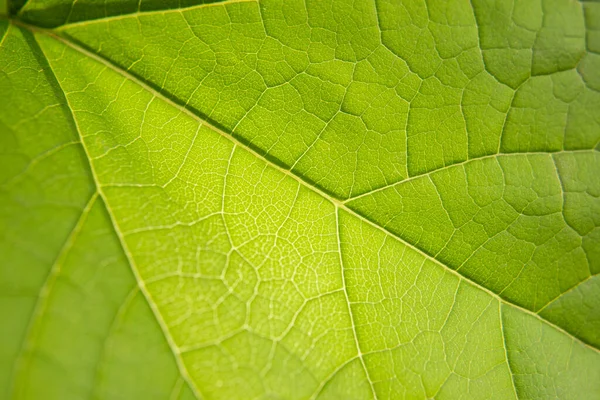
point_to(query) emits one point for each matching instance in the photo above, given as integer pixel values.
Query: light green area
(174, 215)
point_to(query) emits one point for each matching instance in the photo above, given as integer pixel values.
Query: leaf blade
(254, 229)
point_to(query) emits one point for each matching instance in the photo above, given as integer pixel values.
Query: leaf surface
(300, 200)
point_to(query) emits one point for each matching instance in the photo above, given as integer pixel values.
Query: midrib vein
(140, 282)
(127, 75)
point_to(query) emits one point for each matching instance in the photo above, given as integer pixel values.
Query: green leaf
(304, 200)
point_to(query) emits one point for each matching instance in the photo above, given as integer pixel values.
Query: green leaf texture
(319, 199)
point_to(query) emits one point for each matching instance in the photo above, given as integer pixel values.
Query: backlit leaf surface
(300, 199)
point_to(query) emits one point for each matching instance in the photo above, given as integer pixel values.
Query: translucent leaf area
(299, 199)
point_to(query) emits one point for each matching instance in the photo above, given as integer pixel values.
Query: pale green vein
(354, 333)
(39, 158)
(5, 35)
(177, 389)
(119, 316)
(328, 379)
(572, 288)
(469, 161)
(512, 375)
(25, 356)
(564, 200)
